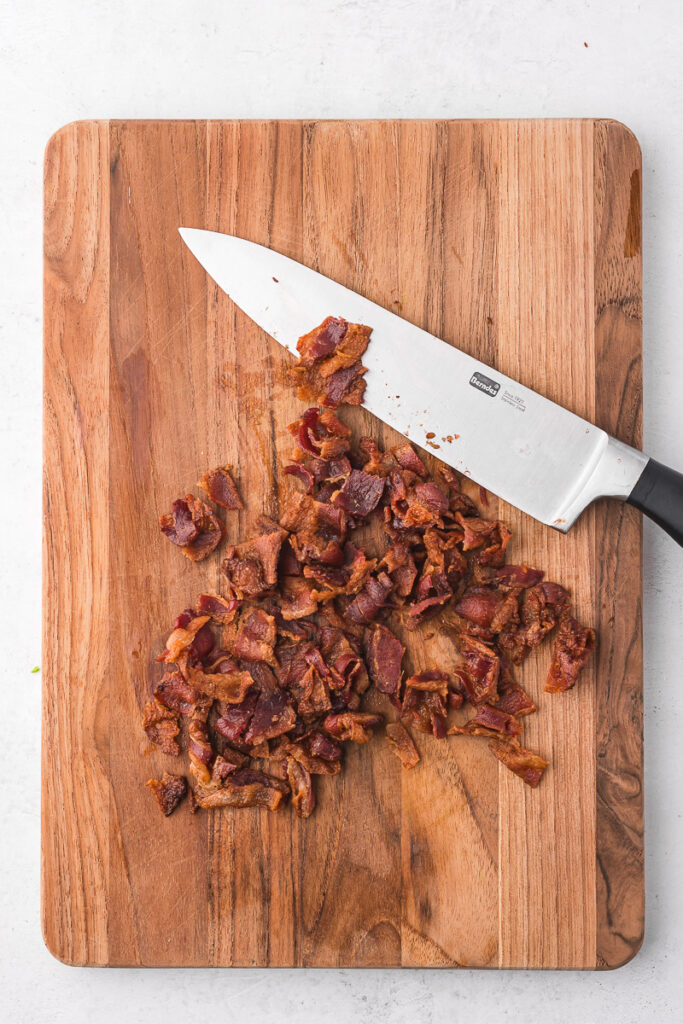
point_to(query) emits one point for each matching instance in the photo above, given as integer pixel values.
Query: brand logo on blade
(485, 384)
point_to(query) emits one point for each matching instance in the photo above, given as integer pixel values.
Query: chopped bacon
(528, 766)
(220, 609)
(360, 494)
(431, 681)
(488, 721)
(519, 575)
(370, 601)
(515, 701)
(162, 726)
(480, 679)
(352, 725)
(384, 652)
(193, 526)
(251, 567)
(220, 487)
(303, 797)
(298, 598)
(230, 687)
(182, 637)
(407, 458)
(329, 370)
(176, 694)
(574, 645)
(254, 637)
(275, 671)
(169, 791)
(402, 744)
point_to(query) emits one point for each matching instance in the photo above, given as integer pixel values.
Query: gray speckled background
(65, 60)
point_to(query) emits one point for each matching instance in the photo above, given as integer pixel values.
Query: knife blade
(521, 446)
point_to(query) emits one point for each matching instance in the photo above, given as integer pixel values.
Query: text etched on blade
(485, 384)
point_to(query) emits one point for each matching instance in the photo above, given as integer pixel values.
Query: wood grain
(518, 241)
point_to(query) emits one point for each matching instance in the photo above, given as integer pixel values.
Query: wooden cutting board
(519, 241)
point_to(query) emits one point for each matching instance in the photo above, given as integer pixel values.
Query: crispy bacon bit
(169, 791)
(489, 720)
(574, 645)
(176, 694)
(431, 681)
(514, 701)
(519, 575)
(251, 568)
(220, 609)
(230, 687)
(384, 652)
(274, 672)
(352, 725)
(193, 527)
(303, 798)
(528, 766)
(162, 727)
(482, 669)
(220, 487)
(370, 601)
(360, 494)
(182, 637)
(254, 638)
(402, 744)
(329, 370)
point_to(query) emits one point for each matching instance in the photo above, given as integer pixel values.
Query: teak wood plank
(518, 241)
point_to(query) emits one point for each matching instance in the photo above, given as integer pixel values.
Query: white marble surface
(363, 58)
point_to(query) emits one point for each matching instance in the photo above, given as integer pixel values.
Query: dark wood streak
(618, 552)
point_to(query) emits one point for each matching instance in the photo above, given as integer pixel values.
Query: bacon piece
(298, 598)
(400, 567)
(345, 579)
(480, 681)
(230, 687)
(244, 788)
(515, 701)
(352, 725)
(162, 726)
(303, 798)
(360, 494)
(488, 721)
(302, 473)
(251, 567)
(176, 694)
(377, 462)
(458, 502)
(518, 575)
(426, 710)
(313, 693)
(169, 791)
(528, 766)
(273, 715)
(479, 605)
(314, 764)
(480, 532)
(402, 744)
(193, 526)
(320, 745)
(431, 681)
(384, 653)
(235, 718)
(220, 609)
(370, 601)
(182, 637)
(329, 369)
(407, 458)
(220, 487)
(432, 591)
(574, 645)
(254, 638)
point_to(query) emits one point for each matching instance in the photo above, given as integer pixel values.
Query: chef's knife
(523, 447)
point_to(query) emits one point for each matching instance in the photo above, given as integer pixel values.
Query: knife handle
(659, 494)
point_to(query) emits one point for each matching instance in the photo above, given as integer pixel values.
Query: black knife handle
(659, 494)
